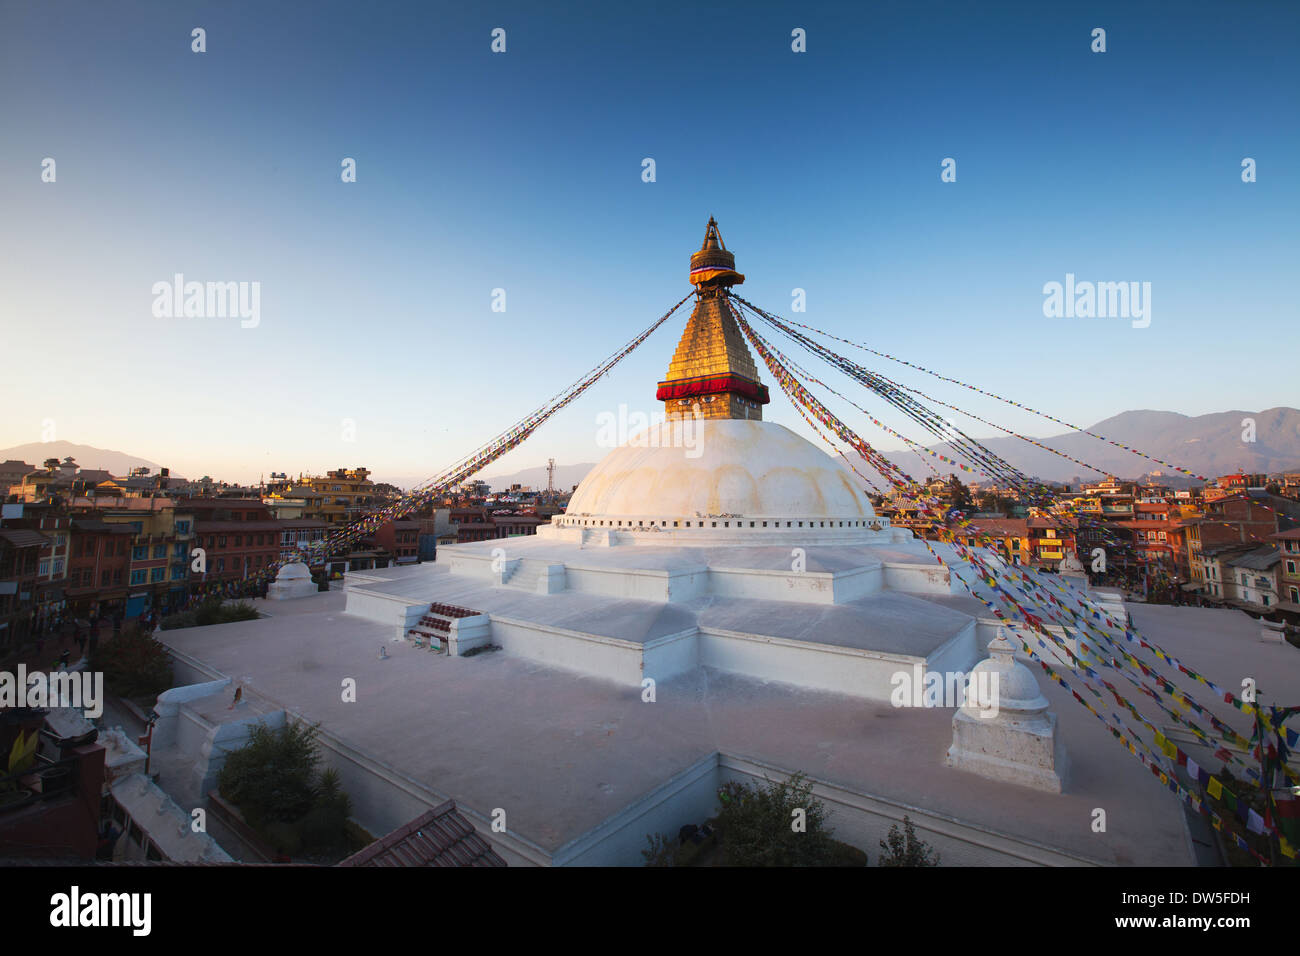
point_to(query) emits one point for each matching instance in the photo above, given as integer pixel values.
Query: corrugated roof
(23, 537)
(1261, 559)
(441, 837)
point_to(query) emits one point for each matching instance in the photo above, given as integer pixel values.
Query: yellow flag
(1214, 788)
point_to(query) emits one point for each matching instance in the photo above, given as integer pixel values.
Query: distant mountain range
(117, 463)
(1209, 445)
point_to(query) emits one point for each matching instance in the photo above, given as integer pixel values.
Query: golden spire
(712, 369)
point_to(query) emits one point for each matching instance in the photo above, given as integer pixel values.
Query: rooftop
(441, 837)
(564, 752)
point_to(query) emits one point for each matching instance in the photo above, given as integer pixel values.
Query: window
(160, 550)
(156, 574)
(182, 527)
(104, 578)
(138, 577)
(178, 573)
(221, 541)
(58, 565)
(239, 541)
(1290, 567)
(221, 564)
(44, 567)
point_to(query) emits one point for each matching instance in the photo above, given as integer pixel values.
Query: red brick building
(99, 566)
(401, 539)
(238, 535)
(20, 552)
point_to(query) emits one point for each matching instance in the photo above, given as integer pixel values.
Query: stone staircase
(534, 575)
(434, 627)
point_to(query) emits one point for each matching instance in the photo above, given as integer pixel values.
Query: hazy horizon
(376, 342)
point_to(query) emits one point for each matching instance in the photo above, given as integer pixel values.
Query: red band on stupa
(686, 388)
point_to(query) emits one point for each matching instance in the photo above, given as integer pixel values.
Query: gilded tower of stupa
(712, 369)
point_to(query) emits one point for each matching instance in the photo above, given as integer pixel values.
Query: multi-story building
(150, 575)
(99, 566)
(1254, 578)
(513, 525)
(1008, 536)
(238, 536)
(1212, 572)
(1248, 520)
(346, 493)
(1288, 572)
(20, 554)
(1051, 538)
(12, 472)
(52, 570)
(401, 539)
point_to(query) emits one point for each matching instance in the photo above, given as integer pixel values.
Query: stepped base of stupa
(835, 618)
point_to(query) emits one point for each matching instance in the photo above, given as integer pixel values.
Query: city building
(345, 493)
(1254, 579)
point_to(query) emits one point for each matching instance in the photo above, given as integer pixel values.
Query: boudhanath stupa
(760, 552)
(719, 601)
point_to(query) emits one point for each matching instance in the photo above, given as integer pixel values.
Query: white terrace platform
(833, 617)
(585, 768)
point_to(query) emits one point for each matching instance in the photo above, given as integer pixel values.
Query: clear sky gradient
(522, 171)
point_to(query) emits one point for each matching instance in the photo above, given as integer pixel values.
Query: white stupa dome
(714, 480)
(715, 473)
(293, 571)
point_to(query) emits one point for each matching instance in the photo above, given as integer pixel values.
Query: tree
(958, 493)
(273, 776)
(904, 849)
(781, 824)
(134, 665)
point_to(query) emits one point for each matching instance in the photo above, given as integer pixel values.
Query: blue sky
(522, 171)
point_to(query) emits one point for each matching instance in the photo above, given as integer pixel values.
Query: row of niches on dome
(722, 521)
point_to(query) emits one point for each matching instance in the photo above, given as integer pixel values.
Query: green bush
(274, 782)
(904, 849)
(273, 776)
(755, 825)
(134, 665)
(213, 610)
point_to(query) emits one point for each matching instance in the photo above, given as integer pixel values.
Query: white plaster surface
(562, 753)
